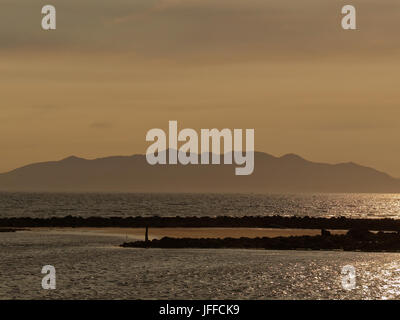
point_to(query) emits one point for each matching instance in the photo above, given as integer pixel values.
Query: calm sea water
(106, 205)
(93, 267)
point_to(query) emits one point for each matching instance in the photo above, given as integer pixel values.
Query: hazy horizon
(143, 154)
(114, 70)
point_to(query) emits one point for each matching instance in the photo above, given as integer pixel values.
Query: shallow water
(106, 205)
(94, 267)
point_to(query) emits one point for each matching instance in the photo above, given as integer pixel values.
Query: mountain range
(289, 173)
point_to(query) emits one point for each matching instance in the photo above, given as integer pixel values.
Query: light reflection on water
(93, 267)
(106, 205)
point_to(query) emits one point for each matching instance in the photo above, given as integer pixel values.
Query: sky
(115, 69)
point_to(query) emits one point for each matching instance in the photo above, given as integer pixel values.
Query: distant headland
(289, 173)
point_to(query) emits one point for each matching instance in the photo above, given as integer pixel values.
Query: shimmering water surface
(106, 205)
(93, 267)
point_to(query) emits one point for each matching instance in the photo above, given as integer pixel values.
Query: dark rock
(325, 233)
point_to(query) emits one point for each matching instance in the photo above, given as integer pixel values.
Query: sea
(42, 205)
(95, 267)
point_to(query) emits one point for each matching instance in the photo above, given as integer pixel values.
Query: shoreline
(191, 233)
(272, 222)
(354, 240)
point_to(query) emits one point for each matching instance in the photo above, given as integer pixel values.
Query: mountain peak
(291, 156)
(72, 158)
(288, 173)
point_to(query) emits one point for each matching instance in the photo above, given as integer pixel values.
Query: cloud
(209, 30)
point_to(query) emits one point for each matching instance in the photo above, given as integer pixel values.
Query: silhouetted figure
(146, 236)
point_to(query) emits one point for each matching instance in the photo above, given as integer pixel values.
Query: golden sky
(115, 69)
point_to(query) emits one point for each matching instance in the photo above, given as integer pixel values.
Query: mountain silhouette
(289, 173)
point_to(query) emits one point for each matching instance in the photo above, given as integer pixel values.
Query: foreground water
(106, 205)
(94, 267)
